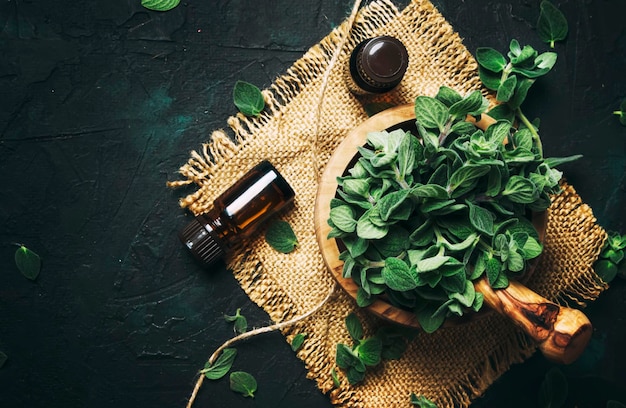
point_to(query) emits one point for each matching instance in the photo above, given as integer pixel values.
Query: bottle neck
(204, 237)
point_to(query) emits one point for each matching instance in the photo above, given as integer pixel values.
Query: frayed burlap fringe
(298, 135)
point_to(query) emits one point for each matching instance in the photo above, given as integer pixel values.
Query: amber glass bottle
(376, 65)
(237, 212)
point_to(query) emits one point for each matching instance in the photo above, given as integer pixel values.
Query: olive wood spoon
(561, 333)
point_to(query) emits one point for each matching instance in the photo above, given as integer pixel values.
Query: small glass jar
(237, 213)
(376, 65)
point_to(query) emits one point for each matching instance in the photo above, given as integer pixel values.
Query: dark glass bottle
(237, 212)
(377, 65)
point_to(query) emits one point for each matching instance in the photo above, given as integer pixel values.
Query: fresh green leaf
(520, 190)
(606, 270)
(490, 59)
(390, 202)
(448, 96)
(240, 321)
(481, 218)
(369, 351)
(554, 389)
(493, 269)
(521, 91)
(473, 104)
(466, 174)
(160, 5)
(545, 61)
(343, 218)
(506, 89)
(335, 377)
(298, 341)
(398, 275)
(280, 236)
(344, 357)
(428, 320)
(367, 229)
(248, 98)
(355, 329)
(552, 25)
(490, 79)
(422, 402)
(243, 383)
(221, 366)
(28, 262)
(430, 112)
(3, 359)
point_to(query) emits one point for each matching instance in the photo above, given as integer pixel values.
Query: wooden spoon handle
(562, 333)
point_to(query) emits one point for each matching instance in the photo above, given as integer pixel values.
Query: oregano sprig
(424, 215)
(511, 77)
(367, 351)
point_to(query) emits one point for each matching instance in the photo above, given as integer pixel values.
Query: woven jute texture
(298, 132)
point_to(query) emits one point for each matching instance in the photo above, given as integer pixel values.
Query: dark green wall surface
(101, 102)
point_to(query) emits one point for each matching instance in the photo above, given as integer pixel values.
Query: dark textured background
(101, 102)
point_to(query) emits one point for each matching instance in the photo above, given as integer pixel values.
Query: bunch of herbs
(423, 216)
(388, 343)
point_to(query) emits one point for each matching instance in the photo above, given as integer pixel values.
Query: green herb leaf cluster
(160, 5)
(422, 216)
(240, 323)
(552, 25)
(388, 343)
(621, 113)
(611, 263)
(281, 237)
(248, 98)
(512, 76)
(27, 262)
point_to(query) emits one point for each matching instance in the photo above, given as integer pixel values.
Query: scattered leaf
(248, 98)
(221, 366)
(243, 383)
(552, 24)
(281, 237)
(28, 262)
(160, 5)
(298, 341)
(3, 359)
(240, 321)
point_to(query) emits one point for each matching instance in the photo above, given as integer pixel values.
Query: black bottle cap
(379, 64)
(198, 237)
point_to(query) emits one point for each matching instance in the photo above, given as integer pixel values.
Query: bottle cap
(199, 238)
(380, 63)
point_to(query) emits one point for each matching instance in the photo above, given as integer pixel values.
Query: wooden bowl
(561, 333)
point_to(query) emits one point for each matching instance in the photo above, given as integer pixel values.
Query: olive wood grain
(561, 333)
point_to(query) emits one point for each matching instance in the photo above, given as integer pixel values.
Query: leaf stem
(532, 129)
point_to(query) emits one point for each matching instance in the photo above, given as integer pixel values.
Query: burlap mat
(452, 366)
